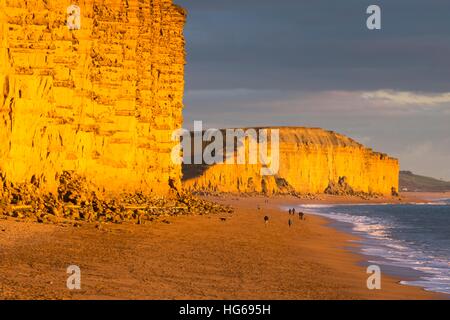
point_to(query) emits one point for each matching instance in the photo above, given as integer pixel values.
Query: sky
(316, 64)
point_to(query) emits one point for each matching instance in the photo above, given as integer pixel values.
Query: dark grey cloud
(308, 63)
(294, 44)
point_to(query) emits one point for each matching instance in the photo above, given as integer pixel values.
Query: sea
(409, 241)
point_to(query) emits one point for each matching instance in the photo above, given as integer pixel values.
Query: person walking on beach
(300, 215)
(290, 211)
(266, 220)
(293, 211)
(290, 223)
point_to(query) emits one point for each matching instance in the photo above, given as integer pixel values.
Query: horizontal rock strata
(100, 101)
(312, 161)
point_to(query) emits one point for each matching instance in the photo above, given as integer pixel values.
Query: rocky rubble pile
(341, 188)
(74, 202)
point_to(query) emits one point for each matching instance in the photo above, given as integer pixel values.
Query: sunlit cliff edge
(312, 161)
(101, 101)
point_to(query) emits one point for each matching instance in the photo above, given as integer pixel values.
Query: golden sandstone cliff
(311, 161)
(101, 101)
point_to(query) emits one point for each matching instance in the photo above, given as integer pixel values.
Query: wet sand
(193, 257)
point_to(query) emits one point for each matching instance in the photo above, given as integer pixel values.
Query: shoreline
(192, 257)
(355, 241)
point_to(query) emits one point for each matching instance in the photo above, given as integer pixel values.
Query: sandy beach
(192, 257)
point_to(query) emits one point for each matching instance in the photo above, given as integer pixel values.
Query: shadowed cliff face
(311, 160)
(101, 101)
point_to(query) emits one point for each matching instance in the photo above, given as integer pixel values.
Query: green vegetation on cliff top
(412, 182)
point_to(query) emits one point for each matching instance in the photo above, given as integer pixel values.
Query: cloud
(407, 98)
(418, 155)
(317, 45)
(239, 105)
(314, 63)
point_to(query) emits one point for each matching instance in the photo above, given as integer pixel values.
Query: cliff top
(316, 136)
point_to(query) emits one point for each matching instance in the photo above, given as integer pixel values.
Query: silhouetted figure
(172, 185)
(290, 223)
(266, 220)
(293, 211)
(300, 215)
(290, 211)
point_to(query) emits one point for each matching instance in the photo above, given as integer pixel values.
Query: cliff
(311, 161)
(100, 101)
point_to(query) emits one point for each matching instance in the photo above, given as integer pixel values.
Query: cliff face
(101, 101)
(311, 161)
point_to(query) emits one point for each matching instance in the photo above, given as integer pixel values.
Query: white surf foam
(394, 252)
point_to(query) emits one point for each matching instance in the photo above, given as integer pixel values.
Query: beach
(231, 256)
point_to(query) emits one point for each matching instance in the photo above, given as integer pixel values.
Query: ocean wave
(379, 241)
(317, 206)
(433, 203)
(441, 202)
(440, 286)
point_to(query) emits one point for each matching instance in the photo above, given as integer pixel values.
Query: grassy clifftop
(413, 182)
